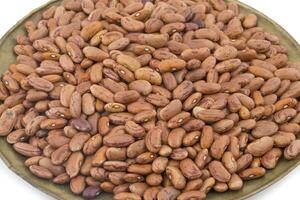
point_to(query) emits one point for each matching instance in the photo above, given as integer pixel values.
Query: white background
(286, 13)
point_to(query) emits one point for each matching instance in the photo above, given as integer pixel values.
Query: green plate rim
(52, 194)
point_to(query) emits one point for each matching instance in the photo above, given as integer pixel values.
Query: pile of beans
(150, 99)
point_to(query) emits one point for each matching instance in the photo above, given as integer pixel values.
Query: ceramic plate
(15, 161)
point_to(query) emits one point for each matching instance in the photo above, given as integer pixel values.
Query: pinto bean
(150, 99)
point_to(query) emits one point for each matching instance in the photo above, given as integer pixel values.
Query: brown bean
(191, 138)
(136, 149)
(78, 140)
(219, 146)
(261, 72)
(74, 163)
(118, 140)
(16, 136)
(60, 155)
(200, 54)
(141, 86)
(168, 193)
(292, 150)
(189, 169)
(66, 94)
(138, 188)
(219, 172)
(270, 159)
(220, 187)
(235, 182)
(90, 30)
(223, 125)
(77, 185)
(127, 195)
(208, 115)
(176, 177)
(8, 120)
(264, 128)
(61, 179)
(202, 158)
(131, 24)
(260, 146)
(159, 164)
(129, 62)
(145, 158)
(40, 84)
(259, 45)
(169, 111)
(229, 162)
(126, 97)
(191, 195)
(102, 93)
(153, 140)
(283, 139)
(193, 185)
(75, 104)
(115, 166)
(150, 100)
(289, 127)
(119, 44)
(99, 157)
(95, 54)
(284, 115)
(92, 144)
(157, 100)
(143, 169)
(151, 193)
(165, 150)
(225, 53)
(27, 150)
(244, 161)
(207, 88)
(192, 101)
(179, 154)
(250, 21)
(41, 172)
(228, 65)
(288, 73)
(81, 125)
(149, 75)
(183, 90)
(74, 52)
(252, 173)
(134, 129)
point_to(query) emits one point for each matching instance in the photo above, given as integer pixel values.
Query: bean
(150, 100)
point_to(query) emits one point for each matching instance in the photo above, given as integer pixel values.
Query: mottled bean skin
(149, 99)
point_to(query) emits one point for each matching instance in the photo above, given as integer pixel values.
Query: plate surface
(15, 161)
